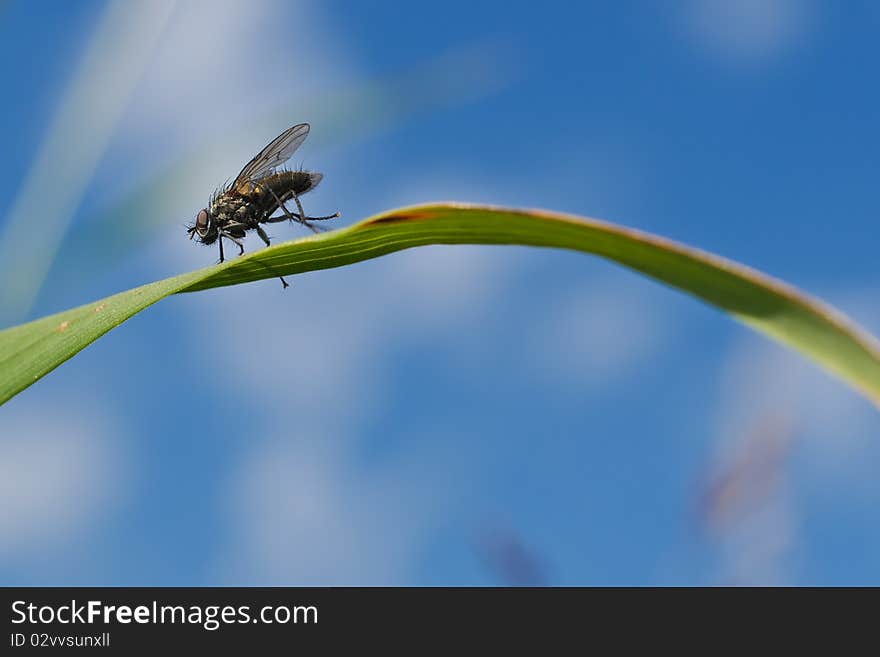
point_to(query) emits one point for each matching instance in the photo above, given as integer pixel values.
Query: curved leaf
(29, 351)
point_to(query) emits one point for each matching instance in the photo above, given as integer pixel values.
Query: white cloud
(766, 393)
(596, 332)
(326, 340)
(600, 330)
(60, 473)
(759, 551)
(305, 515)
(833, 423)
(748, 31)
(226, 62)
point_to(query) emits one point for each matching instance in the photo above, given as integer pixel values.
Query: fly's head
(205, 228)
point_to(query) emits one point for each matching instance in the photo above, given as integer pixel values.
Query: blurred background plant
(370, 420)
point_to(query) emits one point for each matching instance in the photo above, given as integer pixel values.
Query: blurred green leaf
(30, 351)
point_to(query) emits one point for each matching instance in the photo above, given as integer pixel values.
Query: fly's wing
(276, 153)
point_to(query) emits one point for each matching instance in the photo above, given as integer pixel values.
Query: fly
(257, 193)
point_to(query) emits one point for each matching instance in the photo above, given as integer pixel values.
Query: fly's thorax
(230, 209)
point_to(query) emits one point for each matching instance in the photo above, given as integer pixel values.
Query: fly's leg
(295, 217)
(335, 215)
(302, 213)
(265, 238)
(237, 241)
(303, 218)
(287, 214)
(291, 216)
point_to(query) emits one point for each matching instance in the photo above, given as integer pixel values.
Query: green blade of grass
(30, 351)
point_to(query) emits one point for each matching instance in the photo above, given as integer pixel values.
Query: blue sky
(420, 418)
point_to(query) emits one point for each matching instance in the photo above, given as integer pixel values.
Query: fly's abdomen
(270, 192)
(286, 183)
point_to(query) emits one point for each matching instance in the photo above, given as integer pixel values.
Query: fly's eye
(202, 221)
